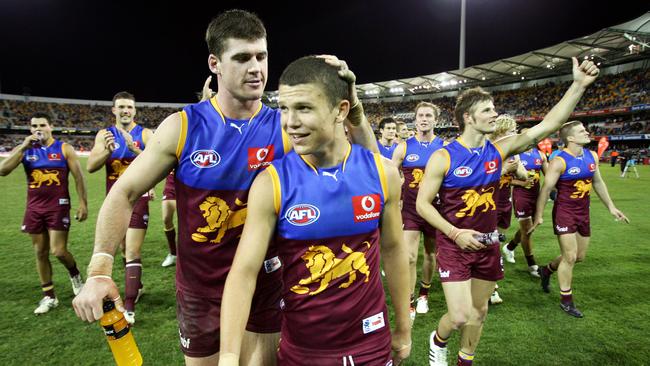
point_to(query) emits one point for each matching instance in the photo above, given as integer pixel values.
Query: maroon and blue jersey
(327, 236)
(121, 157)
(470, 186)
(218, 158)
(531, 160)
(46, 168)
(416, 156)
(574, 184)
(386, 151)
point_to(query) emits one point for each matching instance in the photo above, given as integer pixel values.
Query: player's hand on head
(584, 73)
(466, 240)
(88, 305)
(345, 73)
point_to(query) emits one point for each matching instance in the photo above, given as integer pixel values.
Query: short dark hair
(42, 115)
(466, 101)
(385, 120)
(235, 23)
(566, 129)
(314, 70)
(123, 95)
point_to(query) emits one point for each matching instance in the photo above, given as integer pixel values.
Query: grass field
(611, 287)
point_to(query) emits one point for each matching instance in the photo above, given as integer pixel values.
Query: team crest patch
(302, 214)
(205, 158)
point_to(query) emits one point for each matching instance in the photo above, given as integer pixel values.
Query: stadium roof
(614, 45)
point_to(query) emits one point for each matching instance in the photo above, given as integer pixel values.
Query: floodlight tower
(461, 56)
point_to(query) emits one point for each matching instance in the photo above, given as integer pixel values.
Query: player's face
(403, 132)
(124, 111)
(243, 67)
(425, 118)
(580, 135)
(483, 118)
(389, 132)
(42, 126)
(309, 119)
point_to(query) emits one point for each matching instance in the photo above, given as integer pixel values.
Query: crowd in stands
(618, 90)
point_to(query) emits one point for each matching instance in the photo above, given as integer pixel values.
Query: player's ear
(214, 65)
(343, 110)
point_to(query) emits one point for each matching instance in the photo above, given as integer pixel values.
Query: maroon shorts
(455, 264)
(566, 222)
(504, 214)
(140, 214)
(36, 222)
(524, 206)
(199, 317)
(379, 354)
(413, 221)
(169, 192)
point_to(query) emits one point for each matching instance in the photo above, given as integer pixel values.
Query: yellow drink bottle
(119, 336)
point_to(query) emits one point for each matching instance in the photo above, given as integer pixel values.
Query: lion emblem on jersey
(473, 200)
(219, 218)
(505, 180)
(48, 177)
(417, 177)
(582, 189)
(324, 267)
(118, 168)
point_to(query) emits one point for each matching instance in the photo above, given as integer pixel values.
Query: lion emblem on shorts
(219, 218)
(417, 177)
(582, 189)
(118, 168)
(324, 267)
(473, 200)
(48, 177)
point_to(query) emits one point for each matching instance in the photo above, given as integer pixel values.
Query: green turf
(610, 287)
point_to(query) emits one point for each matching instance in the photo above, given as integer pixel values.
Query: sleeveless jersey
(386, 151)
(46, 168)
(121, 157)
(574, 185)
(504, 191)
(532, 161)
(328, 241)
(416, 156)
(218, 158)
(471, 182)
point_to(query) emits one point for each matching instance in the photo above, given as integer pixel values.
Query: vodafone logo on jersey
(491, 166)
(302, 214)
(136, 144)
(205, 158)
(538, 161)
(463, 171)
(54, 156)
(260, 157)
(592, 167)
(366, 208)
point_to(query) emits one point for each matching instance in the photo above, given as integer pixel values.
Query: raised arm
(583, 75)
(601, 190)
(80, 182)
(555, 169)
(151, 166)
(434, 175)
(240, 284)
(395, 258)
(13, 160)
(398, 158)
(102, 149)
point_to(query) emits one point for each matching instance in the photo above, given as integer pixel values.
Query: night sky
(92, 49)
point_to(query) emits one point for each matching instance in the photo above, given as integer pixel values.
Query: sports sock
(424, 288)
(512, 245)
(73, 270)
(133, 274)
(549, 270)
(531, 260)
(439, 341)
(171, 240)
(566, 296)
(465, 359)
(48, 289)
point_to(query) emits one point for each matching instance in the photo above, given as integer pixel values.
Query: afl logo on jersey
(574, 171)
(302, 214)
(411, 158)
(205, 158)
(524, 162)
(31, 158)
(366, 208)
(463, 171)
